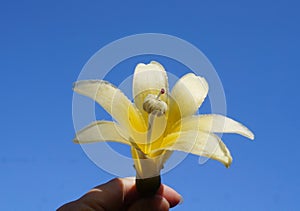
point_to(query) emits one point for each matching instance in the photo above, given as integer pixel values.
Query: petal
(187, 96)
(198, 143)
(149, 79)
(113, 101)
(101, 131)
(214, 123)
(145, 167)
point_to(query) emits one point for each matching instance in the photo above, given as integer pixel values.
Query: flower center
(153, 105)
(155, 108)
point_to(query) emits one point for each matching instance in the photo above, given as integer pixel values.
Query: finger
(170, 195)
(156, 202)
(108, 196)
(73, 206)
(111, 195)
(130, 194)
(121, 192)
(165, 191)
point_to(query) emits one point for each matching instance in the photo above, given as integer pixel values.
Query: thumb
(156, 202)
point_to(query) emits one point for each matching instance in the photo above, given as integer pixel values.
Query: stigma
(153, 105)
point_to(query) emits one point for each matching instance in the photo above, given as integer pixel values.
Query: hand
(121, 194)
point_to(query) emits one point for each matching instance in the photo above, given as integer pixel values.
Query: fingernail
(181, 200)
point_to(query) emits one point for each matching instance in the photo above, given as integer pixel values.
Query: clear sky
(253, 45)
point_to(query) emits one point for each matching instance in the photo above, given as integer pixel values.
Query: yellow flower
(158, 122)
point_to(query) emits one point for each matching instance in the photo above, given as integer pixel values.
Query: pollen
(153, 105)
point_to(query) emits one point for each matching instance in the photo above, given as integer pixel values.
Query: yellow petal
(214, 123)
(113, 101)
(198, 143)
(187, 96)
(101, 131)
(149, 79)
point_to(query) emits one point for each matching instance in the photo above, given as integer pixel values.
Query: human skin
(121, 194)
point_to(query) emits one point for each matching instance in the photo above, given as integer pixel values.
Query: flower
(158, 122)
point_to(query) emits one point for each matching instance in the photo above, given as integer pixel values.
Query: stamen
(153, 105)
(155, 108)
(162, 91)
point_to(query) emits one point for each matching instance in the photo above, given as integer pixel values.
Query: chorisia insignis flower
(158, 122)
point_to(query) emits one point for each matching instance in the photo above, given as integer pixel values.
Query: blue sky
(253, 45)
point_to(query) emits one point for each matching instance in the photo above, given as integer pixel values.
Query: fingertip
(172, 196)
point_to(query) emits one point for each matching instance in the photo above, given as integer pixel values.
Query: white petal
(101, 131)
(198, 143)
(113, 101)
(214, 123)
(149, 79)
(187, 96)
(146, 167)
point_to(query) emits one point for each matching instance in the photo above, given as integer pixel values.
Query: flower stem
(148, 186)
